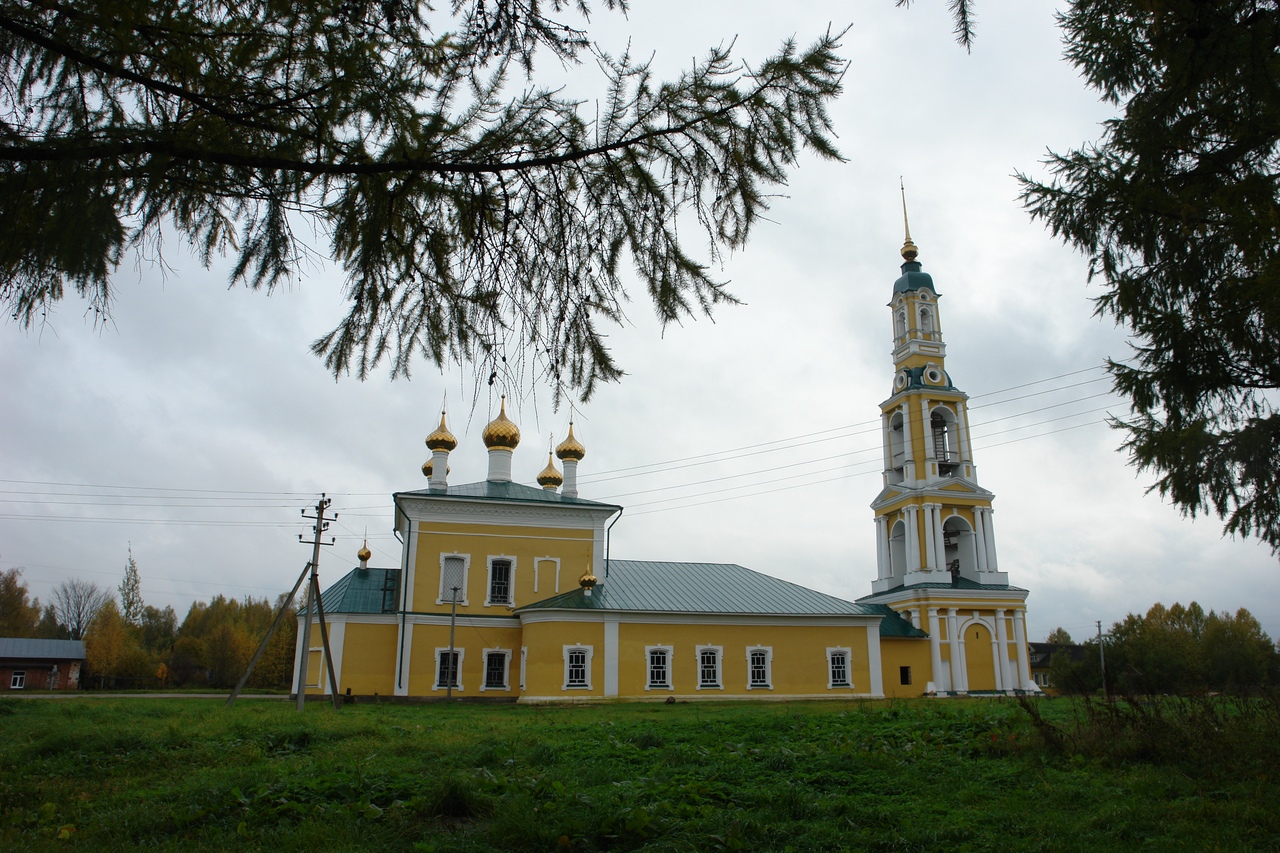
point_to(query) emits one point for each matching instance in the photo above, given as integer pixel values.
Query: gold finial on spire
(501, 432)
(441, 439)
(909, 250)
(364, 553)
(588, 580)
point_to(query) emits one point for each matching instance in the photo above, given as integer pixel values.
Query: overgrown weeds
(1205, 735)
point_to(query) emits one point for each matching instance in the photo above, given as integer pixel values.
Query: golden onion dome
(588, 580)
(364, 553)
(441, 439)
(501, 432)
(571, 448)
(427, 468)
(550, 477)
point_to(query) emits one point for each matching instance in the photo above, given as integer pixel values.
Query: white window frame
(441, 651)
(19, 680)
(848, 667)
(537, 574)
(506, 669)
(466, 576)
(648, 668)
(768, 668)
(511, 582)
(719, 653)
(589, 652)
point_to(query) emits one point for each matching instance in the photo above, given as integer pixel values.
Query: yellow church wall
(368, 659)
(472, 641)
(545, 664)
(799, 659)
(897, 652)
(479, 542)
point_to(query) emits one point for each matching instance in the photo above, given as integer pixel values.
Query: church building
(508, 591)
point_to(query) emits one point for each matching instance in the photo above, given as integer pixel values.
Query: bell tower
(933, 520)
(935, 543)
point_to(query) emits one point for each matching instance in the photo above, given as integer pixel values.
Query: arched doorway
(980, 663)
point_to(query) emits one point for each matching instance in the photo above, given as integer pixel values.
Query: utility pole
(1102, 658)
(309, 573)
(313, 601)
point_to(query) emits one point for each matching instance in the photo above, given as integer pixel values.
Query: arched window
(897, 449)
(959, 548)
(900, 324)
(898, 550)
(926, 323)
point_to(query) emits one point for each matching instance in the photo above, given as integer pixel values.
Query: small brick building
(27, 664)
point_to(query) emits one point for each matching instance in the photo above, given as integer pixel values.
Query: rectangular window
(904, 674)
(839, 666)
(709, 667)
(453, 579)
(495, 670)
(577, 670)
(499, 582)
(447, 669)
(758, 674)
(19, 680)
(659, 668)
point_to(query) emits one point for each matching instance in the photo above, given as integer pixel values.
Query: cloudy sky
(196, 425)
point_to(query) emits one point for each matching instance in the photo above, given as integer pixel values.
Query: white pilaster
(882, 548)
(930, 538)
(913, 539)
(958, 681)
(980, 537)
(611, 657)
(992, 564)
(873, 661)
(1020, 644)
(941, 679)
(939, 543)
(1002, 650)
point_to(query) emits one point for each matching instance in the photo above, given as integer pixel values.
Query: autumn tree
(76, 602)
(1059, 637)
(1177, 207)
(131, 591)
(19, 615)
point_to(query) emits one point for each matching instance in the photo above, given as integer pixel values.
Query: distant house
(1042, 658)
(40, 664)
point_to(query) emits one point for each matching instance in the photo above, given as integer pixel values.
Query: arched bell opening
(898, 550)
(897, 449)
(945, 438)
(959, 548)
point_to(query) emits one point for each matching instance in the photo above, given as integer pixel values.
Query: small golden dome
(441, 439)
(909, 250)
(501, 432)
(588, 580)
(364, 553)
(427, 468)
(550, 477)
(571, 448)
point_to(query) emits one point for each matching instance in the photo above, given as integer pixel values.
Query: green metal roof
(956, 583)
(640, 585)
(913, 279)
(362, 591)
(505, 491)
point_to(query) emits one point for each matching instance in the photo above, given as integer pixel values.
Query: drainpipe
(606, 540)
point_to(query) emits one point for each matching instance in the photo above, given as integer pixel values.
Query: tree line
(1170, 650)
(131, 644)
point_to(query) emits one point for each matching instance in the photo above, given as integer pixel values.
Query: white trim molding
(511, 580)
(588, 654)
(832, 653)
(767, 684)
(718, 651)
(441, 598)
(669, 655)
(435, 675)
(506, 669)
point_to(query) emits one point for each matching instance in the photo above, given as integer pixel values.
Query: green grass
(184, 774)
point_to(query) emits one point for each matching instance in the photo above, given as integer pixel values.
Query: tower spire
(909, 250)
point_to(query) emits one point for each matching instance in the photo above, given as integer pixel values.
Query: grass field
(184, 774)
